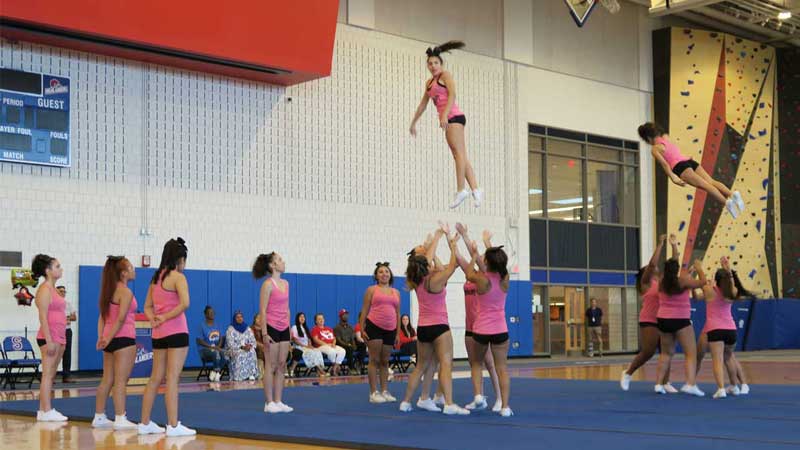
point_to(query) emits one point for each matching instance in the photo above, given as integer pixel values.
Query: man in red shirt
(324, 339)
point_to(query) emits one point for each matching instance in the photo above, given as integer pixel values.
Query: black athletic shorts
(278, 335)
(119, 343)
(683, 165)
(726, 336)
(178, 340)
(376, 332)
(41, 342)
(486, 339)
(468, 333)
(673, 325)
(429, 333)
(647, 324)
(462, 119)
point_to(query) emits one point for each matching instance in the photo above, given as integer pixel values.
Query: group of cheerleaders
(665, 315)
(665, 319)
(167, 300)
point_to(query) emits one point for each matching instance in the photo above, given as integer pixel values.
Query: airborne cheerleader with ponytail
(441, 88)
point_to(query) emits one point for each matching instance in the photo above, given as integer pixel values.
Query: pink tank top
(440, 95)
(492, 316)
(649, 312)
(383, 309)
(672, 154)
(432, 307)
(718, 313)
(674, 306)
(165, 301)
(470, 305)
(128, 328)
(278, 307)
(56, 318)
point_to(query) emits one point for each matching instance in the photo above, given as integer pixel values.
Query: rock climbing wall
(721, 113)
(788, 126)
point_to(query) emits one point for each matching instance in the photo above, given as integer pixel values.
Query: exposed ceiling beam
(682, 6)
(770, 34)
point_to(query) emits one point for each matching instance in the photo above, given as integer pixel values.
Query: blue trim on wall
(228, 291)
(539, 276)
(608, 278)
(567, 277)
(631, 279)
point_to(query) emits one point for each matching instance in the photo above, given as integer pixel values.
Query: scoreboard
(34, 118)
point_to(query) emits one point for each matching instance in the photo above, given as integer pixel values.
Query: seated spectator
(345, 338)
(302, 348)
(325, 341)
(241, 348)
(407, 343)
(209, 345)
(256, 328)
(361, 346)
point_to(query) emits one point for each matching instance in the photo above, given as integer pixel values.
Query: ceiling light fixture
(784, 15)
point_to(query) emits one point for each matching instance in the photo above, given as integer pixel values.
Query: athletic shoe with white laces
(737, 197)
(388, 396)
(376, 397)
(285, 408)
(179, 430)
(50, 416)
(730, 205)
(272, 408)
(692, 390)
(506, 412)
(659, 389)
(454, 409)
(477, 197)
(459, 198)
(744, 389)
(406, 407)
(438, 399)
(101, 421)
(733, 390)
(720, 393)
(427, 405)
(478, 403)
(670, 388)
(625, 381)
(498, 405)
(121, 422)
(150, 428)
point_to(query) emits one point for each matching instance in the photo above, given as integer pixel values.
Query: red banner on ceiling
(281, 42)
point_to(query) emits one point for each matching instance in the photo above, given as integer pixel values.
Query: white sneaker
(744, 389)
(454, 409)
(376, 397)
(150, 428)
(737, 197)
(670, 388)
(459, 198)
(179, 430)
(212, 377)
(99, 421)
(427, 405)
(388, 396)
(284, 407)
(506, 412)
(625, 381)
(478, 403)
(438, 400)
(659, 389)
(272, 408)
(50, 416)
(498, 405)
(730, 205)
(720, 393)
(692, 390)
(122, 423)
(733, 390)
(477, 197)
(251, 378)
(406, 407)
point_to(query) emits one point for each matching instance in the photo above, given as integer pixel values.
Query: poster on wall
(34, 118)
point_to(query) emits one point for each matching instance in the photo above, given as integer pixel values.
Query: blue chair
(14, 345)
(5, 368)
